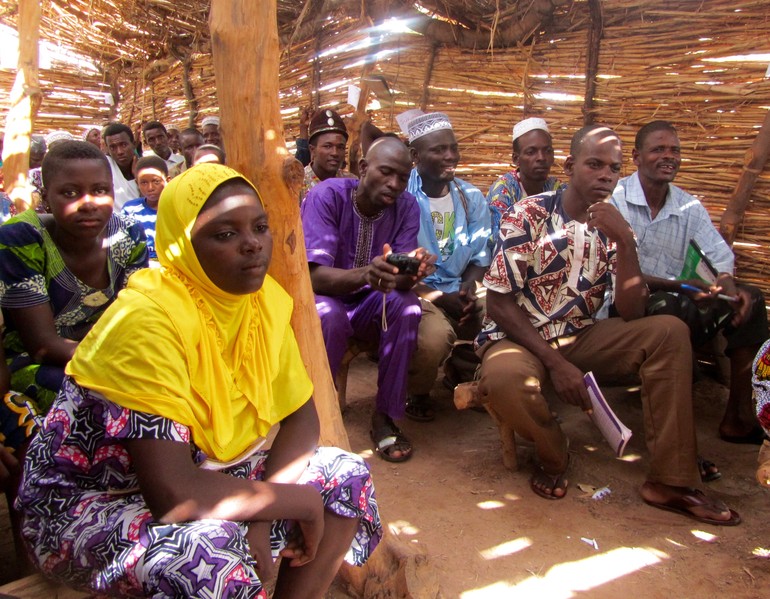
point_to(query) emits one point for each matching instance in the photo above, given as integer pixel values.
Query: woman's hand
(302, 545)
(258, 536)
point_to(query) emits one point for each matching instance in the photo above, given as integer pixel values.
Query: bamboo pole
(754, 163)
(425, 98)
(25, 100)
(592, 60)
(245, 33)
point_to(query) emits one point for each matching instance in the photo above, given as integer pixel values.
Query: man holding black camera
(454, 225)
(352, 227)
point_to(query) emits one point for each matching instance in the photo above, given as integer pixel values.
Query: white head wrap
(527, 125)
(210, 120)
(427, 123)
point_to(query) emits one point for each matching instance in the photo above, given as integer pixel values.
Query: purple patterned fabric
(87, 524)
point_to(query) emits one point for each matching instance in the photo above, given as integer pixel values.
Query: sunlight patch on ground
(492, 504)
(505, 549)
(565, 580)
(402, 527)
(675, 543)
(631, 457)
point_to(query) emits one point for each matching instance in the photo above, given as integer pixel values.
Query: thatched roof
(692, 62)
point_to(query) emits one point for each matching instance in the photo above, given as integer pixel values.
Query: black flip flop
(388, 436)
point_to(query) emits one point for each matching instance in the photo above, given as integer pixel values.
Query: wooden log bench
(466, 395)
(37, 586)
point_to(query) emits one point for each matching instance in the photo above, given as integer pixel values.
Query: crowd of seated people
(539, 281)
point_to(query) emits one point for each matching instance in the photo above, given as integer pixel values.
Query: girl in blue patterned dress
(60, 271)
(147, 477)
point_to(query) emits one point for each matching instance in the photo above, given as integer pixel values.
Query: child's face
(151, 182)
(232, 240)
(80, 197)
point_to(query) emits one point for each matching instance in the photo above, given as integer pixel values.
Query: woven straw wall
(656, 61)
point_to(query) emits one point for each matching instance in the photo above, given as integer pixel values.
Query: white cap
(427, 123)
(55, 136)
(210, 120)
(527, 125)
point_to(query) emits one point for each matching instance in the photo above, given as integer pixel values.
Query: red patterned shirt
(536, 261)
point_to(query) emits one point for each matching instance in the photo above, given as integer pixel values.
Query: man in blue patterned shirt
(665, 220)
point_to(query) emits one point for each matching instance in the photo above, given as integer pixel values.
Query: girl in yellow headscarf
(147, 478)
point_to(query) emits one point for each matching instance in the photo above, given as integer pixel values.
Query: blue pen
(722, 296)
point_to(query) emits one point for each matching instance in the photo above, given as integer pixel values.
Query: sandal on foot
(388, 439)
(420, 408)
(540, 478)
(756, 436)
(709, 472)
(693, 498)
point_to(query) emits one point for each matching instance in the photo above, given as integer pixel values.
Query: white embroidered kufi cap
(210, 120)
(527, 125)
(55, 136)
(427, 123)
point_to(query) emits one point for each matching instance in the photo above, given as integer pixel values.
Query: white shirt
(123, 189)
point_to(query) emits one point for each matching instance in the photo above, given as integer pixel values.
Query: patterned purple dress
(87, 524)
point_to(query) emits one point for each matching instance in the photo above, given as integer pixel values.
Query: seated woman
(147, 477)
(60, 271)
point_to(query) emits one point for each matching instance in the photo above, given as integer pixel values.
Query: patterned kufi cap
(55, 136)
(327, 121)
(210, 120)
(527, 125)
(427, 123)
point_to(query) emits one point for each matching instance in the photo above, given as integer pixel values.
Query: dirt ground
(487, 535)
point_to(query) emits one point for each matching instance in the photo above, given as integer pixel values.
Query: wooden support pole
(425, 98)
(753, 163)
(25, 100)
(592, 59)
(244, 33)
(189, 92)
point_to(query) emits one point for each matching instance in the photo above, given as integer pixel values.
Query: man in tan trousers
(557, 254)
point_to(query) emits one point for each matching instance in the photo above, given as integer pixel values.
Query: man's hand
(568, 381)
(380, 275)
(460, 305)
(609, 220)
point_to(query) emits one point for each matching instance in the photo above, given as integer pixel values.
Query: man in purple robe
(350, 227)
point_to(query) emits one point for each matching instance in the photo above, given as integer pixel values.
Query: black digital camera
(406, 264)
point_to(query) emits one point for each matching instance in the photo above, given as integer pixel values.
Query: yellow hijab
(175, 345)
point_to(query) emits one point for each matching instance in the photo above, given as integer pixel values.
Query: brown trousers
(654, 348)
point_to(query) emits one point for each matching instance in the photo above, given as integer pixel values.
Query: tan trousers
(436, 338)
(656, 348)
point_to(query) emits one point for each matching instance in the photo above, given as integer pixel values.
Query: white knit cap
(210, 120)
(55, 136)
(427, 123)
(527, 125)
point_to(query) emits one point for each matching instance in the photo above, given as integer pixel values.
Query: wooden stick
(754, 162)
(425, 98)
(592, 62)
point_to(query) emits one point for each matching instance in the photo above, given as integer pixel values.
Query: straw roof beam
(754, 163)
(592, 59)
(443, 32)
(25, 101)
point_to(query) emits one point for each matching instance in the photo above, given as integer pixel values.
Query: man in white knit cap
(454, 225)
(532, 159)
(210, 129)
